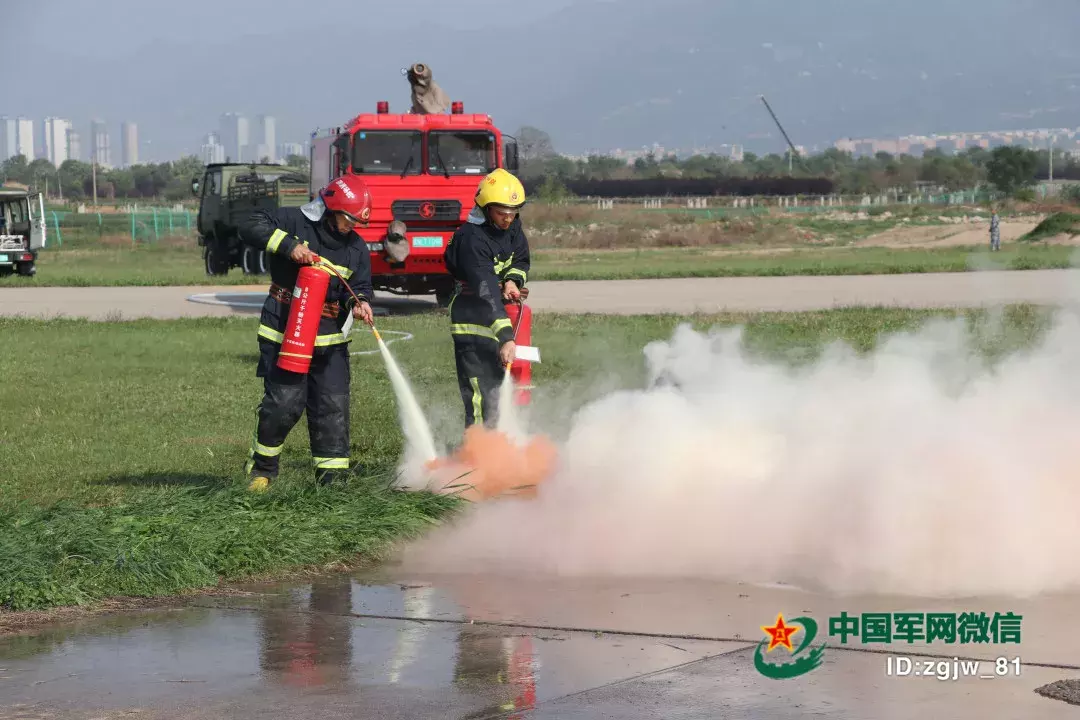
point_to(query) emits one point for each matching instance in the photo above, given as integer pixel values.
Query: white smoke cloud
(915, 469)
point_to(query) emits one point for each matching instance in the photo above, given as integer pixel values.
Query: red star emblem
(427, 210)
(780, 633)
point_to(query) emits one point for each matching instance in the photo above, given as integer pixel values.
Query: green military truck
(228, 193)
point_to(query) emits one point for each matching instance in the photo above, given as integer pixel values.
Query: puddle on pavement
(305, 638)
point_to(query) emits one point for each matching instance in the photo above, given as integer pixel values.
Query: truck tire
(26, 269)
(253, 261)
(217, 263)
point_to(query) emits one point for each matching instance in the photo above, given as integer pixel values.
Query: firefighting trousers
(479, 374)
(323, 392)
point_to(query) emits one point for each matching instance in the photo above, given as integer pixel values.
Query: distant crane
(791, 145)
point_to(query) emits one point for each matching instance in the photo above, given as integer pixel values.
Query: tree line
(75, 180)
(1012, 170)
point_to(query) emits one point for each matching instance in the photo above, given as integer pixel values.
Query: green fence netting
(151, 225)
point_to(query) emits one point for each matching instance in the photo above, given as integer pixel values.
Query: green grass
(155, 544)
(164, 265)
(122, 470)
(144, 264)
(701, 262)
(1060, 223)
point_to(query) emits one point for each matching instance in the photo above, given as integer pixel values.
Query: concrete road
(794, 293)
(391, 644)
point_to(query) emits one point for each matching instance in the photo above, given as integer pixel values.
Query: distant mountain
(610, 74)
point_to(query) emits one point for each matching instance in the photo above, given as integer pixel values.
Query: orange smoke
(488, 464)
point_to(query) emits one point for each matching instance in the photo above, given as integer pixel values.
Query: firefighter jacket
(278, 232)
(479, 257)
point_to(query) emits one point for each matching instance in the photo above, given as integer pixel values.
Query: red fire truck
(423, 170)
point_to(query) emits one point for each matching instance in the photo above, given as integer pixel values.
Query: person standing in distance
(291, 237)
(995, 229)
(488, 257)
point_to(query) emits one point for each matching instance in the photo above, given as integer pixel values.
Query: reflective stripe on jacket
(278, 232)
(479, 257)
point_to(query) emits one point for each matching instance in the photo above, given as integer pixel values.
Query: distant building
(267, 138)
(287, 149)
(54, 140)
(886, 146)
(236, 138)
(16, 138)
(946, 146)
(847, 145)
(129, 144)
(212, 150)
(737, 153)
(74, 146)
(100, 150)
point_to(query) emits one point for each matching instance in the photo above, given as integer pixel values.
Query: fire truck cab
(423, 171)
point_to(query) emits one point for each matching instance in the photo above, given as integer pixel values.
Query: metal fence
(793, 203)
(149, 225)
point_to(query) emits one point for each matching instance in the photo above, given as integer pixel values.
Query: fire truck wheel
(27, 269)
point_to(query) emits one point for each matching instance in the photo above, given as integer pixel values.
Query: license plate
(427, 241)
(3, 258)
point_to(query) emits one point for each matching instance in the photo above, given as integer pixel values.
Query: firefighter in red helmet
(291, 237)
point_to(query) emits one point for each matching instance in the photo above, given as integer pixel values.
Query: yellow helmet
(500, 188)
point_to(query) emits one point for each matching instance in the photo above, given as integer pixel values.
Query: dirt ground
(959, 235)
(962, 234)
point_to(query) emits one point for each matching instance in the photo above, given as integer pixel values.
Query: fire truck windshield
(386, 152)
(461, 152)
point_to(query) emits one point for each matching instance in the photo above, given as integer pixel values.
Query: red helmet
(350, 195)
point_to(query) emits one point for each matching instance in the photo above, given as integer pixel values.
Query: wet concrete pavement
(390, 644)
(683, 295)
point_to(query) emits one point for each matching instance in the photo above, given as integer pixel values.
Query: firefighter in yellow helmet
(488, 257)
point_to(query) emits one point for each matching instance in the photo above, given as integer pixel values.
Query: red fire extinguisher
(305, 312)
(521, 370)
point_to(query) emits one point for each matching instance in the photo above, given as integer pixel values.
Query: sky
(594, 74)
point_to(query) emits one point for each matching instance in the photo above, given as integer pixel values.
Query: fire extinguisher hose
(319, 262)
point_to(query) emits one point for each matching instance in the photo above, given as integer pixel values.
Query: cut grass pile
(122, 470)
(1060, 223)
(163, 265)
